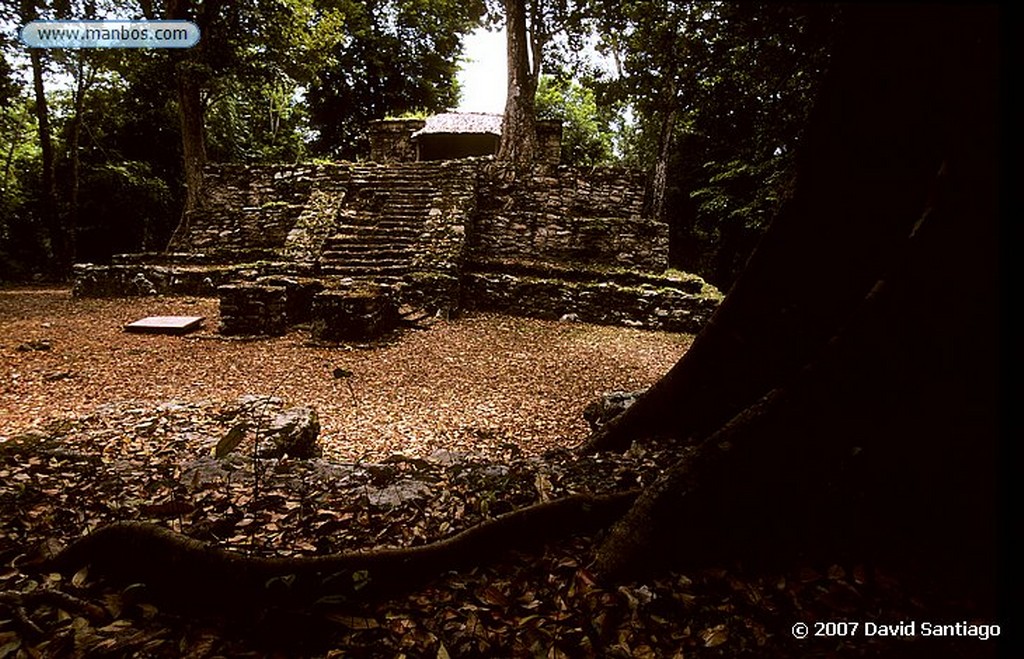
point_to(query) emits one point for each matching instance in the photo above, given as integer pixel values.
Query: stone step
(424, 198)
(371, 262)
(392, 172)
(349, 270)
(384, 233)
(417, 192)
(385, 223)
(402, 221)
(405, 247)
(362, 269)
(367, 261)
(371, 242)
(407, 169)
(409, 210)
(365, 257)
(418, 181)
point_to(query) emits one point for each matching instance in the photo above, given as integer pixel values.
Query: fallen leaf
(714, 636)
(231, 440)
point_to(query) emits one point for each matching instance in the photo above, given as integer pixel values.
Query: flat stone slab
(165, 325)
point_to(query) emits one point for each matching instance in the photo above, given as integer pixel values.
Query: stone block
(253, 309)
(294, 432)
(357, 314)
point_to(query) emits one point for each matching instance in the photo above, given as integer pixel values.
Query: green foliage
(20, 237)
(124, 208)
(418, 113)
(736, 82)
(397, 56)
(260, 65)
(586, 136)
(257, 123)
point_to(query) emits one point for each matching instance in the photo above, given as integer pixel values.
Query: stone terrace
(443, 235)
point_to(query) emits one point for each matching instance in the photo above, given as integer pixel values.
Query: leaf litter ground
(428, 435)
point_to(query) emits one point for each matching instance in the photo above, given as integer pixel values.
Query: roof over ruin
(461, 123)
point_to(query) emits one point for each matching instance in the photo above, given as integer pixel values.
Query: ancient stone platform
(442, 236)
(165, 325)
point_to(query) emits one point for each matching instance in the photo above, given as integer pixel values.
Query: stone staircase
(377, 231)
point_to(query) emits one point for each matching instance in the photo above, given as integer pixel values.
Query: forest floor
(468, 385)
(430, 434)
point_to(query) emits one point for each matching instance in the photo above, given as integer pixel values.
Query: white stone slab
(165, 324)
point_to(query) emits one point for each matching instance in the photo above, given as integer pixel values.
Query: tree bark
(191, 112)
(881, 122)
(74, 137)
(53, 237)
(519, 125)
(660, 183)
(885, 442)
(193, 143)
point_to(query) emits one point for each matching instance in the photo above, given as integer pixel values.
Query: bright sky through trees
(482, 77)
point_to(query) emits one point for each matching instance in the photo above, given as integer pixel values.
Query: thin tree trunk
(519, 126)
(74, 136)
(191, 113)
(9, 158)
(660, 185)
(193, 143)
(53, 239)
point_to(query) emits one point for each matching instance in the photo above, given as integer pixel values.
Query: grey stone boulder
(608, 406)
(294, 432)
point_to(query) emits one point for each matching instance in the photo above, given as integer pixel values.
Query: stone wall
(667, 307)
(245, 207)
(566, 215)
(549, 140)
(391, 140)
(442, 245)
(260, 309)
(149, 279)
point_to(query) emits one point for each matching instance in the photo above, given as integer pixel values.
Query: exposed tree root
(195, 574)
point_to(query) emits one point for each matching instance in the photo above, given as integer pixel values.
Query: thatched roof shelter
(451, 135)
(461, 123)
(458, 135)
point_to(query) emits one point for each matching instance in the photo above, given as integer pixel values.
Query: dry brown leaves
(108, 445)
(465, 385)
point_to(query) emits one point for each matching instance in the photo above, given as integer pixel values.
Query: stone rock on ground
(294, 432)
(608, 406)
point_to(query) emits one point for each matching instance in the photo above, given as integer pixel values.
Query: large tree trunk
(884, 120)
(858, 368)
(519, 126)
